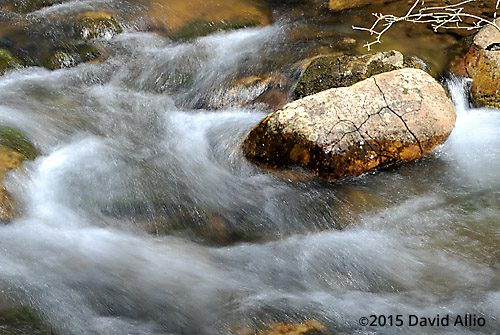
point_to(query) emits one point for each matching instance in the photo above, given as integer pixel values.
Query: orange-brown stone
(482, 65)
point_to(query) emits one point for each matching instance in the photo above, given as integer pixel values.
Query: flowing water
(125, 153)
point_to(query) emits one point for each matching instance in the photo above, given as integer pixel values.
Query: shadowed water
(123, 148)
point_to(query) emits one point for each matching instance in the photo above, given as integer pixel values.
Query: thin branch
(440, 17)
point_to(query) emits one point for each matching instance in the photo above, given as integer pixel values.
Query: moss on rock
(7, 61)
(17, 141)
(341, 71)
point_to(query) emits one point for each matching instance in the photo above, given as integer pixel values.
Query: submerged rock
(338, 5)
(339, 71)
(482, 65)
(391, 117)
(200, 27)
(182, 19)
(271, 90)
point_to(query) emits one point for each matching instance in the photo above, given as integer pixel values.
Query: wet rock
(9, 159)
(391, 117)
(7, 61)
(69, 54)
(271, 90)
(26, 6)
(199, 27)
(482, 65)
(338, 5)
(93, 25)
(338, 71)
(61, 59)
(181, 19)
(16, 141)
(14, 149)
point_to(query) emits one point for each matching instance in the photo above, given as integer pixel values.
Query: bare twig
(440, 17)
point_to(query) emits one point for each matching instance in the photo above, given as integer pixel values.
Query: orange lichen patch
(285, 328)
(291, 328)
(174, 14)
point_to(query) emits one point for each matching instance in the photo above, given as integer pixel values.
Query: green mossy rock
(96, 25)
(200, 27)
(60, 59)
(88, 53)
(342, 71)
(7, 61)
(71, 54)
(15, 140)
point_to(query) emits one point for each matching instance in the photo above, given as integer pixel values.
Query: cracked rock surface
(391, 117)
(482, 65)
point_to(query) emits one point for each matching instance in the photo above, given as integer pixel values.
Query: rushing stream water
(122, 151)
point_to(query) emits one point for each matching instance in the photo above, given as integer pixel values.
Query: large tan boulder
(391, 117)
(482, 65)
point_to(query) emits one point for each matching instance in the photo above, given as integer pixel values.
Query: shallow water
(126, 153)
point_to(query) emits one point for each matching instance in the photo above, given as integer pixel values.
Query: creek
(141, 216)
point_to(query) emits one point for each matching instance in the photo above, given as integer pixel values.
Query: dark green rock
(101, 27)
(15, 140)
(341, 71)
(88, 52)
(70, 53)
(22, 321)
(60, 59)
(7, 61)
